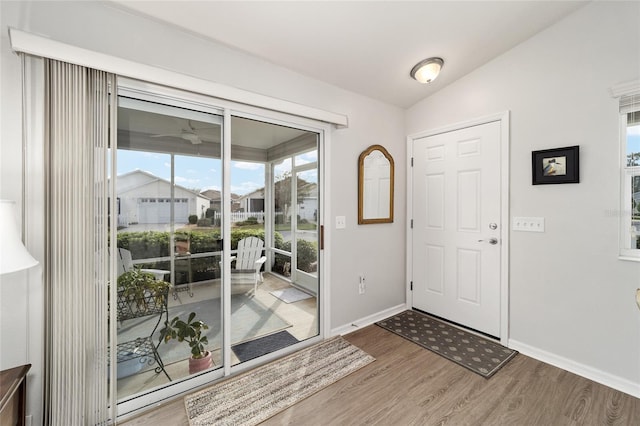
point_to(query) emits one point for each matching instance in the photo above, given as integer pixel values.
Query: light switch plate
(528, 224)
(341, 222)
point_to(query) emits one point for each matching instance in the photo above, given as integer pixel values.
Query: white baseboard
(363, 322)
(615, 382)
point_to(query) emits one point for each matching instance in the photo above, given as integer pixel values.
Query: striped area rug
(256, 395)
(480, 355)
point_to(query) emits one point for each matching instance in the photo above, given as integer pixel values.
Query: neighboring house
(252, 202)
(145, 198)
(215, 198)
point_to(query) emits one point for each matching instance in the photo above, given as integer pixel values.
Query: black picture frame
(558, 165)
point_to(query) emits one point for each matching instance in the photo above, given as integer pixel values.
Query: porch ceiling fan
(188, 133)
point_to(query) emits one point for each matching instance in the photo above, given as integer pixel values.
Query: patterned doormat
(254, 396)
(482, 356)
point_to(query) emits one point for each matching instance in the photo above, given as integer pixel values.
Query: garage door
(158, 210)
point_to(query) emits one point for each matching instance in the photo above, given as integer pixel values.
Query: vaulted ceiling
(365, 47)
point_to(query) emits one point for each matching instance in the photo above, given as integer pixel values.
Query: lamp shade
(426, 71)
(13, 254)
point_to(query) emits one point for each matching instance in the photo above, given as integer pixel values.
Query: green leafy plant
(189, 331)
(142, 288)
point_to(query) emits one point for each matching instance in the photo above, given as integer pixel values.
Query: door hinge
(321, 237)
(411, 223)
(411, 161)
(411, 285)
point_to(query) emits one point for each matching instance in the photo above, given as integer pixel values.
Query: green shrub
(193, 219)
(145, 244)
(251, 221)
(307, 255)
(204, 222)
(279, 260)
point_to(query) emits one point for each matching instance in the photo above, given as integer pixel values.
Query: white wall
(572, 300)
(375, 250)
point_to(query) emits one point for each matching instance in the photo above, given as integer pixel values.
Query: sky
(201, 174)
(633, 139)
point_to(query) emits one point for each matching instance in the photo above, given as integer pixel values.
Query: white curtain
(78, 116)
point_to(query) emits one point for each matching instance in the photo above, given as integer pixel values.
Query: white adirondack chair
(125, 263)
(249, 258)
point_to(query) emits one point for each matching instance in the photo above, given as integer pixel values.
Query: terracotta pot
(200, 364)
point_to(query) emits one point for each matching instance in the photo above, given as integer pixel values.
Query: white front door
(456, 226)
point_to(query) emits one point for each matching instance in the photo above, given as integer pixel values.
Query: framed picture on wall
(559, 165)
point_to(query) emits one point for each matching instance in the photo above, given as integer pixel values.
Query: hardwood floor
(408, 385)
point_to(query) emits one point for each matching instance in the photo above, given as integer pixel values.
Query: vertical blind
(77, 122)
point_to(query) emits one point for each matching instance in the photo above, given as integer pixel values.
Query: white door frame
(503, 118)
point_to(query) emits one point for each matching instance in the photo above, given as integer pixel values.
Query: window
(630, 176)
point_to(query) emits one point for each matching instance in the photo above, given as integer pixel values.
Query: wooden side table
(13, 395)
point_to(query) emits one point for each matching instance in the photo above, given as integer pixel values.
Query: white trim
(503, 118)
(629, 258)
(409, 225)
(32, 44)
(226, 243)
(368, 320)
(621, 92)
(505, 191)
(324, 254)
(33, 225)
(625, 89)
(599, 376)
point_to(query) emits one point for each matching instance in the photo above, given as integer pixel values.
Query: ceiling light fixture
(426, 71)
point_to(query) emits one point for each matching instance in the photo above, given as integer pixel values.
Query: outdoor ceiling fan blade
(173, 135)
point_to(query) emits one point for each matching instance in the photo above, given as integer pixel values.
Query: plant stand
(143, 346)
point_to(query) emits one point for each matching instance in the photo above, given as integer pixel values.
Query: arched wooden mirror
(375, 186)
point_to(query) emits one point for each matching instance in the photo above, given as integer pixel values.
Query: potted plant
(142, 289)
(190, 332)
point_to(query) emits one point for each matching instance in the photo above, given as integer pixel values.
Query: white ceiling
(366, 47)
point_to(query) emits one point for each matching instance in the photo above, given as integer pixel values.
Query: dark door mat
(480, 355)
(264, 345)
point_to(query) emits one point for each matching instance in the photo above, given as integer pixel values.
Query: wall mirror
(375, 186)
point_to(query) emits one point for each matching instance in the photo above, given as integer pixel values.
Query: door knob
(492, 241)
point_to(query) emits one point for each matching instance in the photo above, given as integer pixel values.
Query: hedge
(150, 244)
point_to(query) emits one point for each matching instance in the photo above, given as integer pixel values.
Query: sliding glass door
(271, 309)
(168, 240)
(190, 180)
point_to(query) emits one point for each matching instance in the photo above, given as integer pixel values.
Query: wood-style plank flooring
(409, 385)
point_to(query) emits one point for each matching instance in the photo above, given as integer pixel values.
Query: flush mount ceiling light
(426, 71)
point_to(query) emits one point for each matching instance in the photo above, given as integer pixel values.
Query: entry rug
(256, 395)
(482, 356)
(264, 345)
